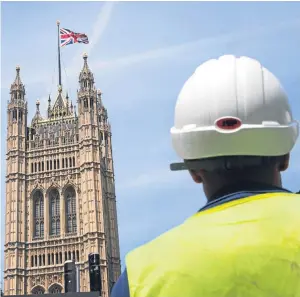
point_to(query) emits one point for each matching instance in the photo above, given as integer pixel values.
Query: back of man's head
(233, 123)
(227, 171)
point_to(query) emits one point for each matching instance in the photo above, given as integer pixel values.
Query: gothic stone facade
(60, 193)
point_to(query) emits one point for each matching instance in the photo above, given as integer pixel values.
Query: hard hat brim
(224, 163)
(178, 166)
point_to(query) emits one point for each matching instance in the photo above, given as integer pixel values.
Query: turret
(15, 184)
(87, 95)
(16, 114)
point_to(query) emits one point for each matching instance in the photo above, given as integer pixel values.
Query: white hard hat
(233, 107)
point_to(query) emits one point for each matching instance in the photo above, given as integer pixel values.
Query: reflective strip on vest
(245, 248)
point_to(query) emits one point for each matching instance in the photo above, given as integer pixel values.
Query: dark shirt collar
(240, 190)
(246, 187)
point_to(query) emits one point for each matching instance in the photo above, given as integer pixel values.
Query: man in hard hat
(234, 130)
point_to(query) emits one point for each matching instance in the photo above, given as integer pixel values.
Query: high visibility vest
(244, 248)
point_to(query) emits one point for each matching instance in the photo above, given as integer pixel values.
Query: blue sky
(141, 53)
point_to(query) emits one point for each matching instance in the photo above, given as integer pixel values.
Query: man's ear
(284, 163)
(196, 177)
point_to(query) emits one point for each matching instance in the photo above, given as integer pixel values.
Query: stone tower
(60, 192)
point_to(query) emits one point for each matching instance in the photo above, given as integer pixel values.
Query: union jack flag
(68, 37)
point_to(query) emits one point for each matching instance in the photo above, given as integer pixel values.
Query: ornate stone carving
(50, 280)
(42, 280)
(59, 280)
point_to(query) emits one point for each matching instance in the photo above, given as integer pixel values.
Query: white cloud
(100, 25)
(171, 51)
(99, 28)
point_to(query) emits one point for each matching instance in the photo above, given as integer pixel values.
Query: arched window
(70, 200)
(38, 214)
(20, 116)
(54, 212)
(55, 289)
(38, 290)
(14, 114)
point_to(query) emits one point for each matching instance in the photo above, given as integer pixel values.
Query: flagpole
(58, 47)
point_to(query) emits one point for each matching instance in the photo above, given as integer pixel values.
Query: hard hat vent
(228, 123)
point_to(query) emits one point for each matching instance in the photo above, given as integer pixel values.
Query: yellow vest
(244, 248)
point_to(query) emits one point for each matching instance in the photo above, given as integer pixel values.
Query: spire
(59, 108)
(49, 106)
(18, 78)
(37, 117)
(38, 106)
(99, 97)
(17, 89)
(67, 103)
(86, 77)
(85, 65)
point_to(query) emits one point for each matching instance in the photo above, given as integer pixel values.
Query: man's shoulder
(121, 287)
(155, 247)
